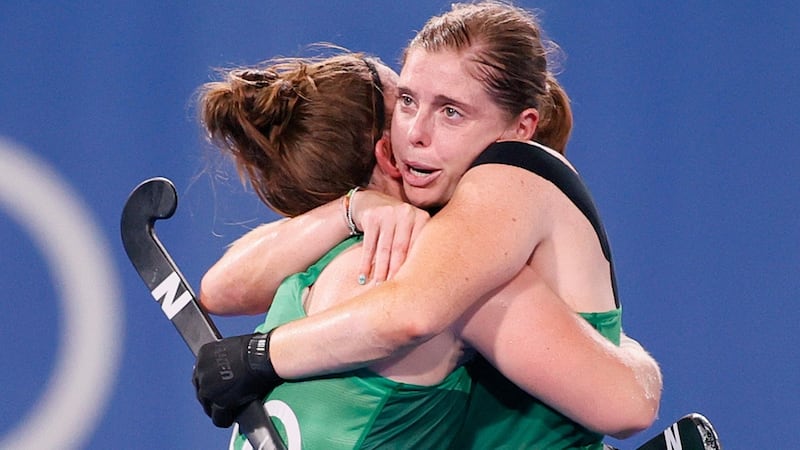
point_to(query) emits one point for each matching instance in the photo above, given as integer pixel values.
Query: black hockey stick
(156, 199)
(692, 432)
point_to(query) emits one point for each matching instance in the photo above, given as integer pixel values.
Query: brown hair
(511, 60)
(302, 131)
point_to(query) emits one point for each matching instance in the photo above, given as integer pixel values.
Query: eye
(451, 112)
(405, 100)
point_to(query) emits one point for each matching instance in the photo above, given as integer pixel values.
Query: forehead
(444, 72)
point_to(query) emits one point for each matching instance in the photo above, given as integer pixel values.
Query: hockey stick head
(151, 200)
(706, 430)
(692, 432)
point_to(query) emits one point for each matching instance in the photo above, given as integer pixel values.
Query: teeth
(416, 171)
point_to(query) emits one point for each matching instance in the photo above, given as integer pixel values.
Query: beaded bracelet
(347, 203)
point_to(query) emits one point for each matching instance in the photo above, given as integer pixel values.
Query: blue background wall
(685, 131)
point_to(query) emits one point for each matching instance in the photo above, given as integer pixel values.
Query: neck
(385, 184)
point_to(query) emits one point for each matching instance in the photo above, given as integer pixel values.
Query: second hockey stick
(156, 199)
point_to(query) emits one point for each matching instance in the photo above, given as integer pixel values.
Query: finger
(369, 243)
(403, 242)
(399, 249)
(208, 407)
(383, 251)
(221, 417)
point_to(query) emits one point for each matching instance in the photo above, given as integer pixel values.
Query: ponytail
(239, 115)
(555, 117)
(300, 131)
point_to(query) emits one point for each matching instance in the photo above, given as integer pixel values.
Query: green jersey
(359, 409)
(503, 416)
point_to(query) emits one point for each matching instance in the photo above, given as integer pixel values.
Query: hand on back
(390, 227)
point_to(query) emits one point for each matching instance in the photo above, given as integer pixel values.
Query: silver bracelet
(348, 212)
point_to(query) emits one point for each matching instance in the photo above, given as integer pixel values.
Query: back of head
(510, 59)
(302, 131)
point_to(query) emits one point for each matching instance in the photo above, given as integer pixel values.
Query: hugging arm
(532, 337)
(245, 279)
(475, 244)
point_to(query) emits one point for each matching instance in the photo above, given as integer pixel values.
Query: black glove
(231, 373)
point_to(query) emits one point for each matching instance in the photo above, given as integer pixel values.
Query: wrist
(347, 206)
(258, 358)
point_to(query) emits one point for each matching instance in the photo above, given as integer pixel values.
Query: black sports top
(535, 159)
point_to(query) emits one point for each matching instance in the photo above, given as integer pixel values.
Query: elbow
(403, 334)
(398, 329)
(630, 426)
(222, 295)
(416, 330)
(626, 408)
(639, 409)
(635, 416)
(211, 296)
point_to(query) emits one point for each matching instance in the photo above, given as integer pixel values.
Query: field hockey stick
(156, 199)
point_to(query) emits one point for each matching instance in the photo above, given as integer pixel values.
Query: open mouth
(419, 171)
(420, 176)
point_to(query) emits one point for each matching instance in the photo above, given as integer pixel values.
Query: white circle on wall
(84, 277)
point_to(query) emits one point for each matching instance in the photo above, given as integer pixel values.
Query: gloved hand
(231, 373)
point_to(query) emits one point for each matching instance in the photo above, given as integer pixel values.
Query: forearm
(635, 395)
(534, 339)
(440, 280)
(350, 335)
(245, 279)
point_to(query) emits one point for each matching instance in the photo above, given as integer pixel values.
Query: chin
(421, 198)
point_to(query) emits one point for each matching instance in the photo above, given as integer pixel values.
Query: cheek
(456, 159)
(459, 152)
(398, 127)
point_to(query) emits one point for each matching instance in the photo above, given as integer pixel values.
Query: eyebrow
(404, 90)
(438, 100)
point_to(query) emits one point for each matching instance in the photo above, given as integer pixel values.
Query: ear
(526, 123)
(385, 157)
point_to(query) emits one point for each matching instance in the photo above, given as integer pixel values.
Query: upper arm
(238, 283)
(479, 241)
(526, 332)
(245, 279)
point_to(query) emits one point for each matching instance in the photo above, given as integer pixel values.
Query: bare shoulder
(507, 199)
(336, 283)
(501, 184)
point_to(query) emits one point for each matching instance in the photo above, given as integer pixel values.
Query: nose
(419, 133)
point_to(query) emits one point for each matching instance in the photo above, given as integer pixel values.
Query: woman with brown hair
(501, 229)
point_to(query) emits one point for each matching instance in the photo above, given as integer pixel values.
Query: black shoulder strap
(539, 161)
